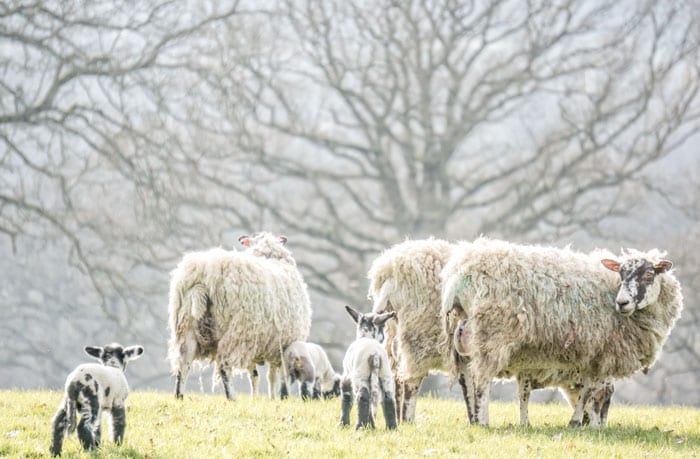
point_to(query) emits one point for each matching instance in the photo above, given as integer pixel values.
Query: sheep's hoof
(573, 424)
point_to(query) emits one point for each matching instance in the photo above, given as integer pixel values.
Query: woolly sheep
(405, 279)
(590, 403)
(238, 309)
(308, 363)
(366, 372)
(531, 307)
(90, 389)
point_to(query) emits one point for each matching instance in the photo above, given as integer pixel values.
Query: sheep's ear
(245, 240)
(612, 265)
(283, 240)
(662, 266)
(382, 318)
(94, 351)
(133, 352)
(353, 313)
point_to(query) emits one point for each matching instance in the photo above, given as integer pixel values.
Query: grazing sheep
(90, 389)
(539, 308)
(238, 309)
(405, 279)
(309, 364)
(590, 403)
(366, 372)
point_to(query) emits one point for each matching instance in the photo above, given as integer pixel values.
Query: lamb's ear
(133, 352)
(662, 266)
(283, 239)
(353, 313)
(245, 240)
(611, 265)
(380, 319)
(94, 351)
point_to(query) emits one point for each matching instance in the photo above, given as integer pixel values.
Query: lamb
(90, 389)
(366, 372)
(405, 279)
(308, 363)
(238, 309)
(531, 307)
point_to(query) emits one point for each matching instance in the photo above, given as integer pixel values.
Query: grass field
(208, 426)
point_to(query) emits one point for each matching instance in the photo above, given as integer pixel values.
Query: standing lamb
(308, 363)
(238, 309)
(366, 372)
(90, 389)
(531, 307)
(405, 279)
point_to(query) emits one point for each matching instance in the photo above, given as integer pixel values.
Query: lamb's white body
(238, 309)
(540, 308)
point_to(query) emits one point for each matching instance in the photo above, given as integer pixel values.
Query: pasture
(209, 426)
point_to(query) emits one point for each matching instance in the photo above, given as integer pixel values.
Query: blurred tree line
(131, 132)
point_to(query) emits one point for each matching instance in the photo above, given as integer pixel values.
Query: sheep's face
(114, 355)
(266, 245)
(640, 283)
(370, 325)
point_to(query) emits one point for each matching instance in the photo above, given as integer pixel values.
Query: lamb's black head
(370, 325)
(640, 282)
(114, 355)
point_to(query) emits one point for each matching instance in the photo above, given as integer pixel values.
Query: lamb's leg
(363, 406)
(86, 427)
(411, 388)
(388, 404)
(118, 417)
(346, 404)
(60, 424)
(524, 390)
(316, 393)
(307, 388)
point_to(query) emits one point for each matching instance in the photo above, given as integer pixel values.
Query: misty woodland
(498, 190)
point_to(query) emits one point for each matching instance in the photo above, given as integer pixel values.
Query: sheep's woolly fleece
(406, 278)
(257, 298)
(532, 307)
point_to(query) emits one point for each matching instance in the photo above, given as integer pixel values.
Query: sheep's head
(267, 245)
(114, 355)
(640, 282)
(370, 325)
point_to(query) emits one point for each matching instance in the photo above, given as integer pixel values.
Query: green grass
(208, 426)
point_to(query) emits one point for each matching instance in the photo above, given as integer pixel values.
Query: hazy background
(134, 131)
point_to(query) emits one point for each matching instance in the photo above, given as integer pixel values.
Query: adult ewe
(237, 309)
(538, 308)
(406, 279)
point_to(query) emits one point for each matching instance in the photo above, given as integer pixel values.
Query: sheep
(238, 309)
(308, 363)
(405, 279)
(366, 372)
(591, 403)
(90, 389)
(532, 307)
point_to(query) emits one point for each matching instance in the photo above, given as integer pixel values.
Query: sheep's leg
(224, 373)
(60, 424)
(467, 384)
(482, 391)
(274, 385)
(316, 392)
(86, 430)
(398, 399)
(254, 379)
(524, 390)
(307, 388)
(411, 388)
(346, 404)
(118, 418)
(183, 361)
(579, 409)
(609, 391)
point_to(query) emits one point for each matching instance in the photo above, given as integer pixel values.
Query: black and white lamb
(237, 309)
(90, 389)
(308, 364)
(539, 308)
(366, 372)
